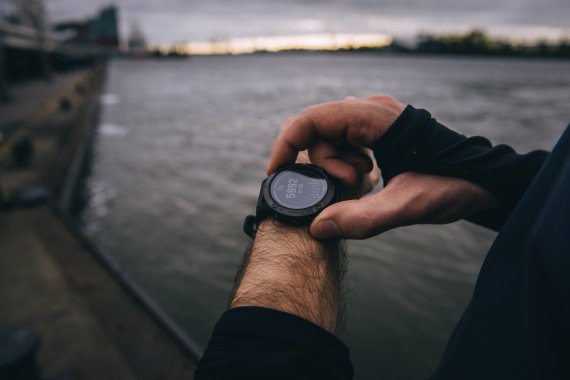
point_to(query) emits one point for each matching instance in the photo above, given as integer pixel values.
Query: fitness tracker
(294, 195)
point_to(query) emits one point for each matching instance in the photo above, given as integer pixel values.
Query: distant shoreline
(409, 54)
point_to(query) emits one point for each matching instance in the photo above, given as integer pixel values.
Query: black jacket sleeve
(417, 142)
(260, 343)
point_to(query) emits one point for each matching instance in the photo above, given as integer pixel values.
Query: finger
(354, 167)
(352, 122)
(288, 145)
(366, 165)
(369, 180)
(357, 157)
(328, 157)
(326, 121)
(298, 155)
(375, 172)
(303, 158)
(356, 219)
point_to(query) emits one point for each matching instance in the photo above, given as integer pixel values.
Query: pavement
(35, 292)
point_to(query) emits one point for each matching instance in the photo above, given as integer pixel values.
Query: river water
(181, 149)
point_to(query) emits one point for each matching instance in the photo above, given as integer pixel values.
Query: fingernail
(327, 229)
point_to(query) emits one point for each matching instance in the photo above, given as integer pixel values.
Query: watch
(295, 195)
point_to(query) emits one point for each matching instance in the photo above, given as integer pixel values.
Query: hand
(336, 136)
(366, 178)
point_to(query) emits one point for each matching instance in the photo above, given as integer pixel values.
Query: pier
(92, 320)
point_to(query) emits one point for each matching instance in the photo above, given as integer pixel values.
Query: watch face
(298, 189)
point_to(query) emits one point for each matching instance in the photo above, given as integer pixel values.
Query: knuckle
(384, 98)
(310, 109)
(287, 122)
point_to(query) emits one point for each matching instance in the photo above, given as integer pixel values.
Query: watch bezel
(299, 216)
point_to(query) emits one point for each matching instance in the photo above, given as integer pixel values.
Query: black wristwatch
(294, 195)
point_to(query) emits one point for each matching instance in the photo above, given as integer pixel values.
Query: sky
(177, 21)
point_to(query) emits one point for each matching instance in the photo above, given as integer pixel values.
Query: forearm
(288, 286)
(290, 271)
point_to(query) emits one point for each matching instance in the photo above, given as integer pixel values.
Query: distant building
(102, 30)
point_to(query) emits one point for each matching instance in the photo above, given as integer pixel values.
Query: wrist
(280, 248)
(271, 230)
(293, 245)
(290, 271)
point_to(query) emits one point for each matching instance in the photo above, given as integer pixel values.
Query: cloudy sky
(168, 21)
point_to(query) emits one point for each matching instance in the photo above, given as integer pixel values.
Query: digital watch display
(298, 189)
(294, 195)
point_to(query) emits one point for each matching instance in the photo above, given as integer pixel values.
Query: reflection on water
(110, 129)
(110, 99)
(181, 152)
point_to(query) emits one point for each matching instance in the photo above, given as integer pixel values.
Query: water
(182, 148)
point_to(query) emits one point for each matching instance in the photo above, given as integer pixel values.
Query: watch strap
(250, 226)
(262, 211)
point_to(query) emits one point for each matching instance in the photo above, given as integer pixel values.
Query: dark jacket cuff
(396, 151)
(417, 142)
(255, 342)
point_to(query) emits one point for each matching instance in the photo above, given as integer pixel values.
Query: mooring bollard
(65, 104)
(22, 151)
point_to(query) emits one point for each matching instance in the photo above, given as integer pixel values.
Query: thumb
(355, 219)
